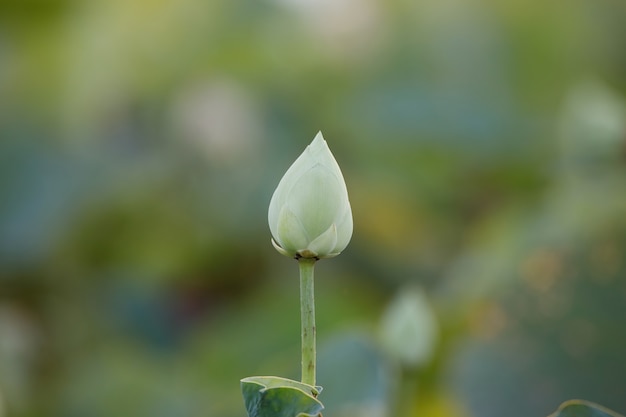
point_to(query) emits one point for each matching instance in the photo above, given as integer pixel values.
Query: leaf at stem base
(580, 408)
(272, 396)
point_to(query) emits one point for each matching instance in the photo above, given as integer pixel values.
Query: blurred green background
(483, 143)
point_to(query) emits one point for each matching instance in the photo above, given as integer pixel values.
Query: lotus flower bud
(309, 213)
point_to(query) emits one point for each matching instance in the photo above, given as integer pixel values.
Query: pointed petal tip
(318, 140)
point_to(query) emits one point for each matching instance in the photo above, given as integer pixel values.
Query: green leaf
(272, 396)
(579, 408)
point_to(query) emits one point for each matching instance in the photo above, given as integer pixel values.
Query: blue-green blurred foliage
(484, 148)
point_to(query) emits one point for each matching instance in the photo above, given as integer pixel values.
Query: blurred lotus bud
(309, 214)
(409, 328)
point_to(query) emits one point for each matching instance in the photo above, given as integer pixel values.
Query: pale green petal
(316, 199)
(281, 195)
(330, 255)
(291, 236)
(318, 149)
(321, 153)
(324, 243)
(344, 230)
(281, 250)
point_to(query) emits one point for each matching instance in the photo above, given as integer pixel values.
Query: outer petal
(316, 199)
(325, 243)
(344, 230)
(290, 235)
(321, 153)
(281, 195)
(281, 250)
(303, 163)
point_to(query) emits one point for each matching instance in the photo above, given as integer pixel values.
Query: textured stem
(307, 314)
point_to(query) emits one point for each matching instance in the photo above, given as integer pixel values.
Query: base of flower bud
(306, 254)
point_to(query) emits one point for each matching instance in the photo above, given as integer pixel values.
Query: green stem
(307, 314)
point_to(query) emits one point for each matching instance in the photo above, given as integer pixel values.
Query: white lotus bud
(309, 213)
